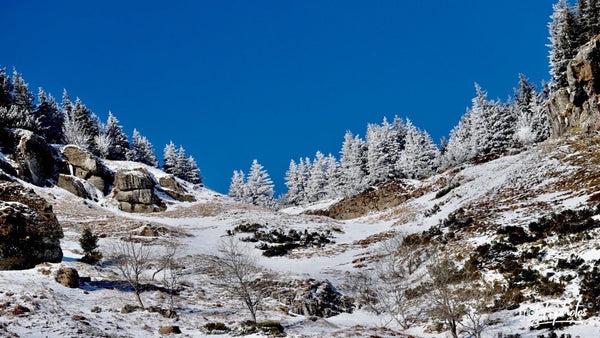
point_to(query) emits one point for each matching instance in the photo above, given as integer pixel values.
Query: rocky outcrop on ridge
(577, 106)
(134, 190)
(29, 231)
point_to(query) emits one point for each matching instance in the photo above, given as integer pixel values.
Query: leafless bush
(132, 260)
(238, 274)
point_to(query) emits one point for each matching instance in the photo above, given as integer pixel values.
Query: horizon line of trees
(73, 123)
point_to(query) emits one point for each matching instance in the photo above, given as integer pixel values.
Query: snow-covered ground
(512, 190)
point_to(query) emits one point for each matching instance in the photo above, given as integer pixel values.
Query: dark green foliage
(590, 289)
(566, 222)
(442, 192)
(287, 241)
(50, 117)
(516, 234)
(120, 144)
(498, 256)
(89, 244)
(6, 88)
(216, 327)
(572, 263)
(458, 220)
(269, 327)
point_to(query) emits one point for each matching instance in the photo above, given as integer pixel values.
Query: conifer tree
(169, 158)
(237, 186)
(22, 98)
(333, 177)
(142, 151)
(353, 164)
(103, 143)
(458, 150)
(120, 144)
(6, 89)
(420, 155)
(193, 173)
(589, 19)
(316, 186)
(564, 40)
(259, 187)
(294, 184)
(50, 117)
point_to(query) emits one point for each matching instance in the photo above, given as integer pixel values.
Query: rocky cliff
(576, 107)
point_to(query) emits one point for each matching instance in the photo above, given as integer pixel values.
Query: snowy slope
(512, 190)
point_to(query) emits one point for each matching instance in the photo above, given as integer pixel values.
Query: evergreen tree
(333, 177)
(353, 164)
(316, 186)
(259, 187)
(381, 152)
(14, 117)
(142, 151)
(458, 150)
(420, 155)
(22, 98)
(74, 133)
(50, 117)
(193, 174)
(103, 142)
(589, 19)
(181, 164)
(237, 186)
(532, 122)
(169, 158)
(294, 184)
(564, 40)
(120, 144)
(89, 244)
(6, 89)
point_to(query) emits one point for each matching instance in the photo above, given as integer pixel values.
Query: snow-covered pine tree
(381, 146)
(317, 183)
(142, 151)
(193, 173)
(532, 122)
(74, 133)
(120, 143)
(589, 19)
(503, 126)
(481, 120)
(21, 96)
(420, 155)
(259, 187)
(169, 158)
(50, 117)
(564, 40)
(458, 150)
(353, 164)
(6, 89)
(103, 143)
(237, 186)
(293, 184)
(304, 169)
(79, 120)
(181, 164)
(333, 177)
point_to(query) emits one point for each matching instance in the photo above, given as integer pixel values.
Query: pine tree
(589, 19)
(381, 152)
(74, 133)
(103, 142)
(193, 173)
(458, 150)
(564, 40)
(294, 184)
(6, 89)
(353, 164)
(237, 186)
(317, 183)
(120, 144)
(142, 151)
(420, 156)
(21, 96)
(89, 244)
(529, 105)
(14, 117)
(50, 117)
(169, 158)
(259, 187)
(333, 176)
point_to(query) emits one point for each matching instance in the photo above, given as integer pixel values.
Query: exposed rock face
(577, 106)
(174, 190)
(134, 190)
(31, 155)
(385, 196)
(68, 277)
(86, 166)
(313, 298)
(74, 185)
(29, 231)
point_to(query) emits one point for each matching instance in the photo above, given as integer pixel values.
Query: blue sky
(273, 80)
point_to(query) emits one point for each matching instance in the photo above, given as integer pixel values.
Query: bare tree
(171, 272)
(387, 288)
(132, 260)
(459, 296)
(238, 274)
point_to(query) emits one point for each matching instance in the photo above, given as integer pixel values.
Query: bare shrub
(132, 260)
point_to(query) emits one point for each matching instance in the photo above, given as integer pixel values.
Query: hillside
(513, 190)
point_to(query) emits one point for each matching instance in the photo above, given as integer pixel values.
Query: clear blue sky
(273, 80)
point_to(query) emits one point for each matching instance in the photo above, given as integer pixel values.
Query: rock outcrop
(384, 196)
(29, 231)
(84, 165)
(576, 107)
(32, 157)
(173, 189)
(68, 277)
(134, 191)
(74, 185)
(311, 297)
